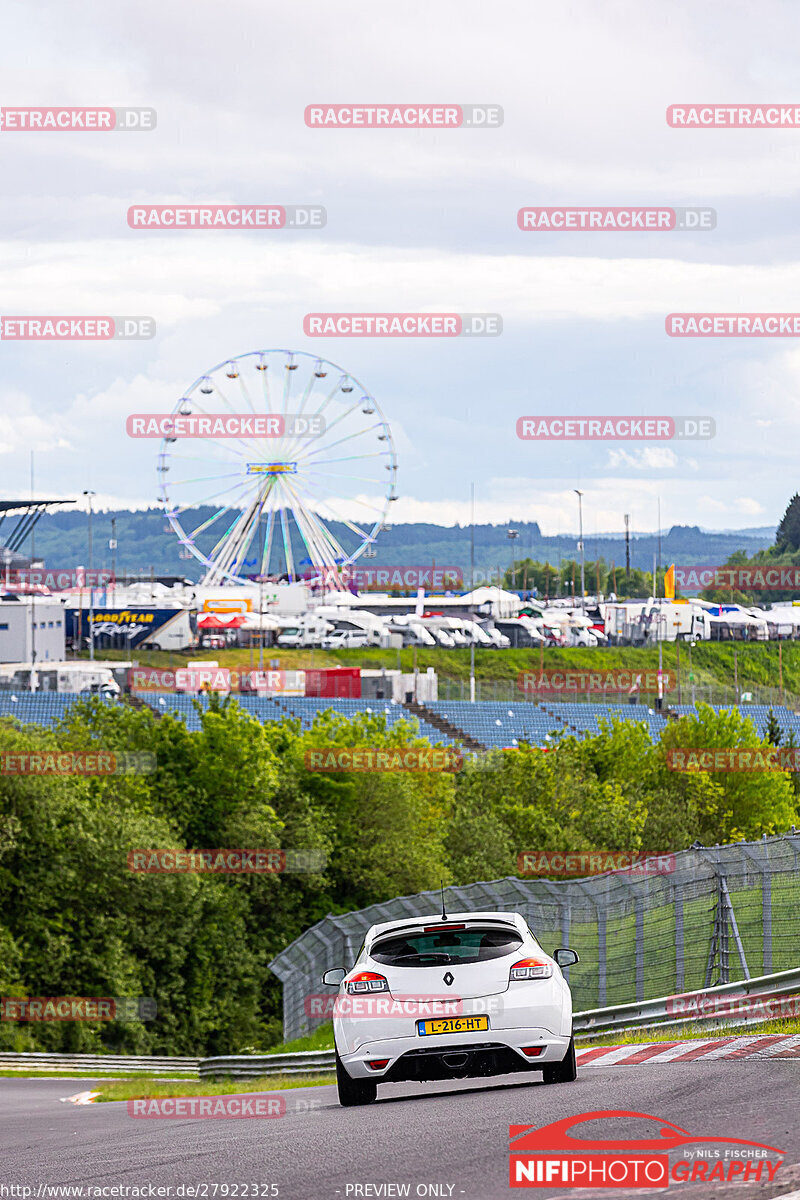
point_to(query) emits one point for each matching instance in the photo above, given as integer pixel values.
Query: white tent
(493, 601)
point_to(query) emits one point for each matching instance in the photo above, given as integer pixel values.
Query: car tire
(353, 1091)
(566, 1071)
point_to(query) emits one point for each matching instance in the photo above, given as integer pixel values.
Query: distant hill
(145, 543)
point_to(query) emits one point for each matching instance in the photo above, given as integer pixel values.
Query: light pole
(579, 494)
(89, 495)
(261, 622)
(512, 536)
(112, 545)
(471, 590)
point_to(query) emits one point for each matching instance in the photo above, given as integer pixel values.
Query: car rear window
(449, 946)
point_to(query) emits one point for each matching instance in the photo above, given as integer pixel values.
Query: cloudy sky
(416, 221)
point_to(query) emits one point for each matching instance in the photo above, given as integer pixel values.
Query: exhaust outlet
(455, 1061)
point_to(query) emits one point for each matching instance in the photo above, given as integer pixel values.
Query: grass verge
(320, 1039)
(145, 1090)
(700, 1030)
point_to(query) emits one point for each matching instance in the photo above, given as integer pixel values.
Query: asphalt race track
(452, 1135)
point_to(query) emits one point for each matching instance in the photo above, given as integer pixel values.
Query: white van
(345, 639)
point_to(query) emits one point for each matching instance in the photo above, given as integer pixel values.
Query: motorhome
(522, 632)
(647, 622)
(306, 631)
(499, 640)
(411, 632)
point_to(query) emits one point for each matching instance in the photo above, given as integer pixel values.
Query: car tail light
(366, 981)
(531, 968)
(377, 1064)
(439, 928)
(532, 1051)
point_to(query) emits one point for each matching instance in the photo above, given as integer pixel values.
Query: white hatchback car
(451, 997)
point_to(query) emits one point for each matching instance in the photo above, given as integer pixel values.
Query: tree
(774, 733)
(787, 537)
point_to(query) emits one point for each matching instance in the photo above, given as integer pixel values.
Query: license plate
(452, 1025)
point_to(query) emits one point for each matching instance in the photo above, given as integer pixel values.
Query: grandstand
(39, 708)
(485, 725)
(498, 724)
(302, 708)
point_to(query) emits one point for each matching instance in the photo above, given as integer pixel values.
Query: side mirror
(335, 976)
(565, 958)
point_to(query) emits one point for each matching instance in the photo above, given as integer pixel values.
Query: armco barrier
(254, 1066)
(102, 1064)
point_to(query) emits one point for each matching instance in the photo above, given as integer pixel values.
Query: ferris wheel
(294, 506)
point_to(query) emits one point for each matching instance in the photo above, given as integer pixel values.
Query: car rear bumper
(455, 1056)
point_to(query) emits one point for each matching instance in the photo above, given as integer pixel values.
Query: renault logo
(448, 978)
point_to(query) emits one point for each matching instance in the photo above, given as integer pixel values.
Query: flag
(669, 583)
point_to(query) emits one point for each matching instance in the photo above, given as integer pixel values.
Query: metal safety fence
(100, 1064)
(718, 915)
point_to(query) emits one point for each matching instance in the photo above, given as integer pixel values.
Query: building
(31, 629)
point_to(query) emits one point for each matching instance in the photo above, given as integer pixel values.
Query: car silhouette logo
(556, 1137)
(448, 979)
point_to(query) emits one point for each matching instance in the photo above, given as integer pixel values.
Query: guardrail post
(712, 952)
(602, 961)
(680, 961)
(565, 924)
(724, 950)
(639, 902)
(724, 923)
(730, 916)
(766, 923)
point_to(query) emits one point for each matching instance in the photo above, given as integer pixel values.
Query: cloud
(417, 221)
(24, 430)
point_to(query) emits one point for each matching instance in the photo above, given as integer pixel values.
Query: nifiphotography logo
(664, 1153)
